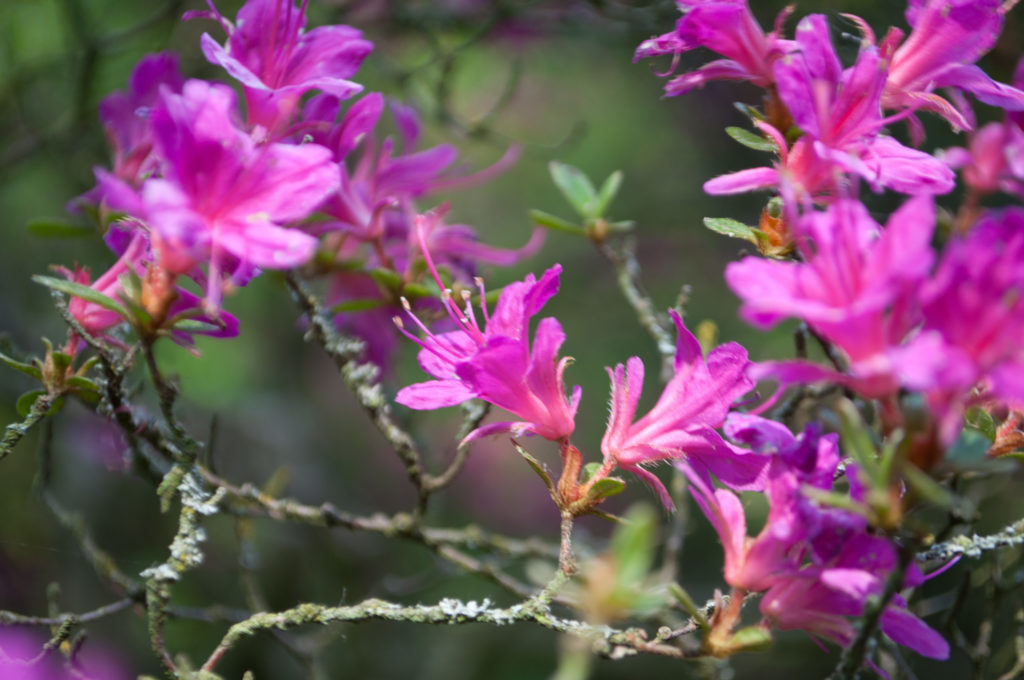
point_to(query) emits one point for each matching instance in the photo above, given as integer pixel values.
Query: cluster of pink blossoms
(899, 316)
(208, 191)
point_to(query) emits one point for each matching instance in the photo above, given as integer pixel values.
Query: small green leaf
(751, 639)
(981, 420)
(749, 111)
(609, 486)
(537, 466)
(27, 401)
(688, 605)
(27, 369)
(927, 488)
(750, 139)
(388, 278)
(54, 228)
(731, 228)
(82, 383)
(575, 186)
(607, 193)
(858, 444)
(61, 362)
(356, 305)
(195, 326)
(557, 223)
(84, 292)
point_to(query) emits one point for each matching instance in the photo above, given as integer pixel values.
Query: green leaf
(356, 305)
(731, 228)
(27, 369)
(557, 223)
(538, 467)
(54, 228)
(388, 278)
(609, 486)
(981, 420)
(927, 488)
(688, 605)
(196, 326)
(83, 292)
(750, 639)
(575, 186)
(858, 444)
(608, 191)
(82, 383)
(25, 401)
(751, 140)
(633, 544)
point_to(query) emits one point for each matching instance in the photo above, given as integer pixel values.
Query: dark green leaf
(26, 401)
(751, 638)
(731, 228)
(750, 139)
(84, 292)
(970, 446)
(688, 605)
(927, 488)
(27, 369)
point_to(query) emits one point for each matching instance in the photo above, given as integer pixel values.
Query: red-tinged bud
(158, 293)
(569, 483)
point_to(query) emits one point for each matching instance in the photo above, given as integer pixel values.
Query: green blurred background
(277, 405)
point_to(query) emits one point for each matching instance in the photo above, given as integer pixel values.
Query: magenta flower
(277, 61)
(221, 199)
(815, 565)
(728, 28)
(681, 426)
(138, 259)
(855, 288)
(839, 113)
(948, 36)
(126, 115)
(973, 322)
(497, 363)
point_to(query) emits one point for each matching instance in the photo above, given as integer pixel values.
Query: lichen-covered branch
(15, 432)
(360, 378)
(622, 256)
(604, 639)
(975, 545)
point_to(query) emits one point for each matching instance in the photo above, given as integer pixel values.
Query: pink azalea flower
(728, 28)
(681, 426)
(277, 61)
(497, 363)
(815, 565)
(854, 287)
(137, 259)
(948, 36)
(221, 199)
(973, 322)
(839, 113)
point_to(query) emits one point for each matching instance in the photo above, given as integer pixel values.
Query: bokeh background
(561, 76)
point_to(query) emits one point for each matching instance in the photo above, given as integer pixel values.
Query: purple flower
(728, 28)
(138, 260)
(498, 364)
(277, 61)
(221, 199)
(973, 321)
(855, 287)
(839, 114)
(126, 115)
(948, 36)
(681, 426)
(816, 565)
